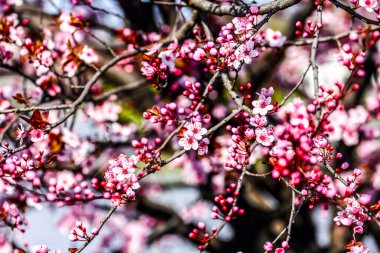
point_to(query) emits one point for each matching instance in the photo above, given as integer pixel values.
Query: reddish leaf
(38, 120)
(20, 99)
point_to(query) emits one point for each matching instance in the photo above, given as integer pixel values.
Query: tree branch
(239, 11)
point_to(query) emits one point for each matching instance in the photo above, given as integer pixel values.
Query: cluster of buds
(268, 246)
(225, 208)
(192, 91)
(11, 29)
(78, 233)
(308, 30)
(235, 45)
(12, 216)
(145, 151)
(49, 83)
(201, 235)
(25, 165)
(354, 214)
(166, 116)
(352, 59)
(69, 193)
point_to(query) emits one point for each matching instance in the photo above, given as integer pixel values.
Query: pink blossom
(106, 111)
(120, 175)
(320, 141)
(274, 38)
(37, 135)
(369, 5)
(188, 142)
(262, 106)
(203, 146)
(65, 23)
(242, 25)
(244, 53)
(168, 58)
(70, 68)
(20, 132)
(88, 55)
(49, 81)
(199, 54)
(258, 121)
(358, 249)
(196, 130)
(364, 199)
(264, 136)
(17, 34)
(147, 70)
(40, 249)
(46, 58)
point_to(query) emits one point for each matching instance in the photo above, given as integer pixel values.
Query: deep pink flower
(37, 135)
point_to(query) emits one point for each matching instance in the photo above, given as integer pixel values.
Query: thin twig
(89, 240)
(295, 87)
(314, 48)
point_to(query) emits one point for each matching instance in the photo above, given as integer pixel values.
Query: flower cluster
(369, 5)
(268, 246)
(225, 206)
(121, 179)
(62, 117)
(12, 216)
(193, 137)
(78, 233)
(308, 30)
(201, 235)
(146, 151)
(166, 116)
(353, 214)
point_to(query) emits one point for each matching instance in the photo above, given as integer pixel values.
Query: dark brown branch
(239, 11)
(354, 14)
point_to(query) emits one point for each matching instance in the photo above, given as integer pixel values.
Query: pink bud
(201, 226)
(268, 246)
